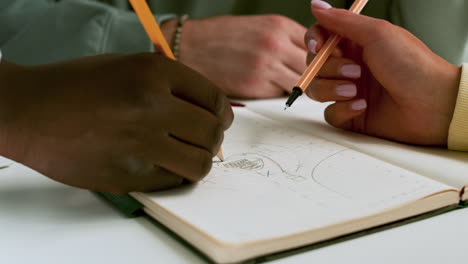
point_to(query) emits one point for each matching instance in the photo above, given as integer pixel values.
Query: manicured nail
(313, 46)
(351, 71)
(359, 105)
(320, 4)
(346, 90)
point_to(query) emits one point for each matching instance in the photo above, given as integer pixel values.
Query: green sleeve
(44, 31)
(441, 24)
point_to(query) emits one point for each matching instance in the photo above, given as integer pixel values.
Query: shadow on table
(56, 203)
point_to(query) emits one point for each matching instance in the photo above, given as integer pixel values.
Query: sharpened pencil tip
(286, 108)
(220, 155)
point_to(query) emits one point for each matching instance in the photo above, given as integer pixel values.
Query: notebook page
(449, 167)
(276, 181)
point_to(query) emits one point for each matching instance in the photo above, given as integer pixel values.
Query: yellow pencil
(156, 36)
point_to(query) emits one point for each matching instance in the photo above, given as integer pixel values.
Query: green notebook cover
(124, 203)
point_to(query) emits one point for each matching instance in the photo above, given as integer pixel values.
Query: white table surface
(42, 221)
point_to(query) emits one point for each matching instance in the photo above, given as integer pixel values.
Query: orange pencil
(155, 34)
(320, 59)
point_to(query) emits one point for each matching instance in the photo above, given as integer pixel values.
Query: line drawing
(318, 165)
(245, 164)
(256, 162)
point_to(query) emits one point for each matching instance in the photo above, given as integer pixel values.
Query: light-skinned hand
(385, 82)
(247, 56)
(114, 123)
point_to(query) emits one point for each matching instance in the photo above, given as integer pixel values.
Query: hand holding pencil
(383, 80)
(155, 34)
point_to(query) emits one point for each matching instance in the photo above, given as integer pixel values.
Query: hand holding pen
(383, 80)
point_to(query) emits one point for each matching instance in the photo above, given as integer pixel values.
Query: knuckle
(270, 42)
(277, 21)
(382, 24)
(141, 74)
(381, 27)
(250, 82)
(257, 64)
(146, 64)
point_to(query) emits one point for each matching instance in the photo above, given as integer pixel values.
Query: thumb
(357, 28)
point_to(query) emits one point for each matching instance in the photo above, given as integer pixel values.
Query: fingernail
(346, 90)
(320, 4)
(351, 71)
(359, 105)
(313, 46)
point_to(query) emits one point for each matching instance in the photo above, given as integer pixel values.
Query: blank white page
(278, 181)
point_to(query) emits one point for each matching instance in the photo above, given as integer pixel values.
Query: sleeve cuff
(458, 132)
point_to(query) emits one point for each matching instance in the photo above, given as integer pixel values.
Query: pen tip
(285, 108)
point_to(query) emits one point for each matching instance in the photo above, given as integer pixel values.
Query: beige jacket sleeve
(458, 133)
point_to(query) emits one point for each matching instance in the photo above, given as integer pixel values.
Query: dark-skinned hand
(114, 123)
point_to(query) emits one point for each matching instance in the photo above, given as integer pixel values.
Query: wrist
(11, 78)
(453, 76)
(168, 28)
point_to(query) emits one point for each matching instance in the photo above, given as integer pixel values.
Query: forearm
(11, 75)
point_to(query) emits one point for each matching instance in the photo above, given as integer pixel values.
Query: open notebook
(281, 188)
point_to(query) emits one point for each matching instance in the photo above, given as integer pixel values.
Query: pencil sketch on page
(288, 167)
(256, 162)
(274, 170)
(263, 157)
(305, 171)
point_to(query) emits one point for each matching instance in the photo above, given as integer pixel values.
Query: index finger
(316, 37)
(358, 28)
